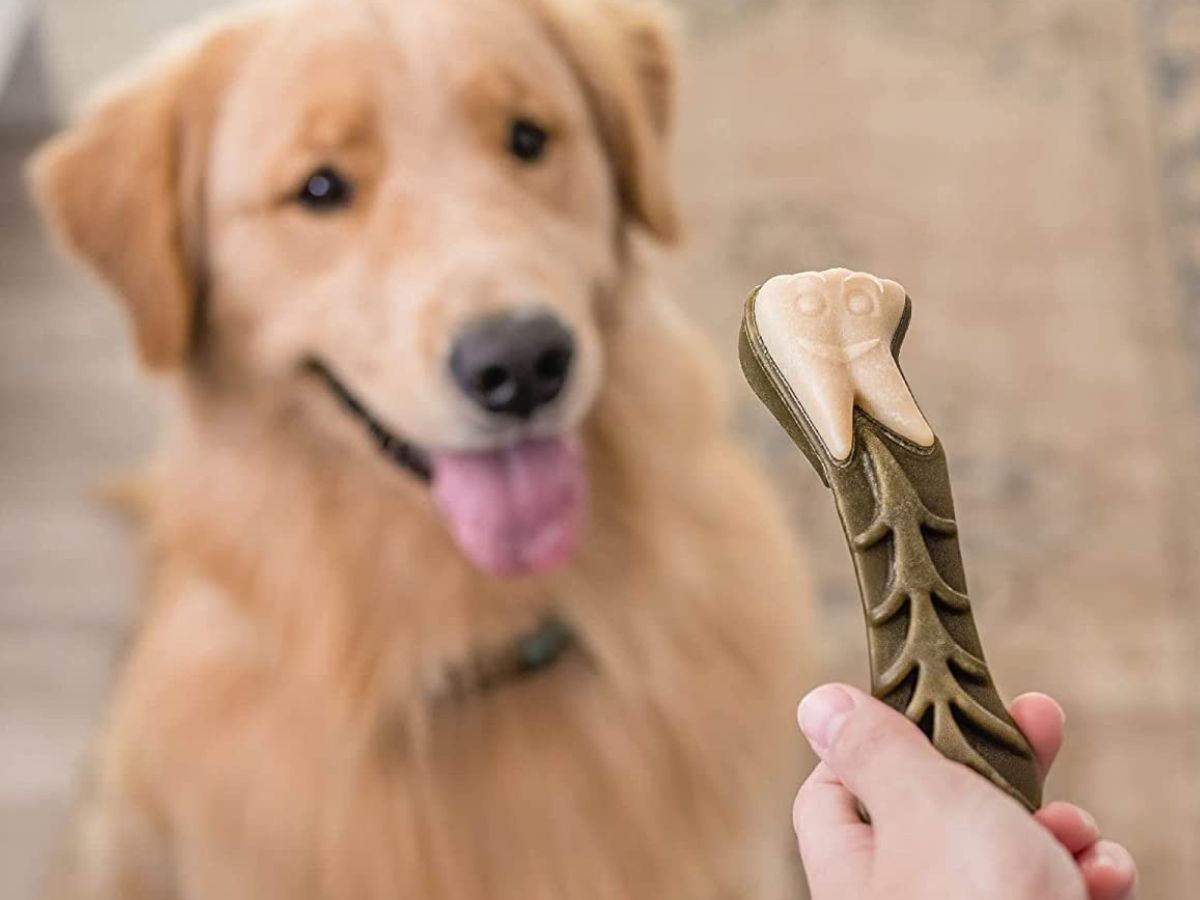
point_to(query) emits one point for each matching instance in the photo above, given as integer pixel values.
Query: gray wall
(87, 40)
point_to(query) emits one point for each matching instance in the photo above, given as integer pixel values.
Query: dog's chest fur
(628, 775)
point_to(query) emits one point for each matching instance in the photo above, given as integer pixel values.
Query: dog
(459, 584)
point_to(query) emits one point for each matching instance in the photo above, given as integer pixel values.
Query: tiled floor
(1022, 168)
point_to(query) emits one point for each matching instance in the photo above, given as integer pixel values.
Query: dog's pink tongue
(517, 510)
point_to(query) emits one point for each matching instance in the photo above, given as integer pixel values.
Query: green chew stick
(821, 350)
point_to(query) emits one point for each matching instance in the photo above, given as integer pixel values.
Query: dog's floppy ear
(623, 53)
(123, 187)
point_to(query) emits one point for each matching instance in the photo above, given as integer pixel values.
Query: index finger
(1041, 720)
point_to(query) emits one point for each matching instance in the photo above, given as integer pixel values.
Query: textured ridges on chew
(950, 740)
(901, 594)
(929, 649)
(881, 527)
(922, 617)
(900, 513)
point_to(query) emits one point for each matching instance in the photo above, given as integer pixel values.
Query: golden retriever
(461, 587)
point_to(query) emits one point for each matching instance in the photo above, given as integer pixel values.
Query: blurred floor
(1029, 170)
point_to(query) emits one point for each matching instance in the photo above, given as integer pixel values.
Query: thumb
(876, 752)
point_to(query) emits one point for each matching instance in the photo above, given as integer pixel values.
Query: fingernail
(1089, 821)
(1107, 856)
(1062, 713)
(822, 714)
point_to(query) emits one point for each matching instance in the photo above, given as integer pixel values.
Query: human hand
(938, 830)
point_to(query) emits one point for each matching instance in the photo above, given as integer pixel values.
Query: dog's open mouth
(399, 451)
(513, 510)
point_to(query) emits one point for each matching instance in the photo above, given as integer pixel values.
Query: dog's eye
(527, 140)
(325, 189)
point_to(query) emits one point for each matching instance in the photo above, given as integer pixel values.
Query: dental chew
(821, 350)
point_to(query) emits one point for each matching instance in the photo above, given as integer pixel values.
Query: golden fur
(274, 732)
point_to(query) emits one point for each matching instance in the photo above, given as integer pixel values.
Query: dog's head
(401, 219)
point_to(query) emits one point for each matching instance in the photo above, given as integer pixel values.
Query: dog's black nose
(513, 365)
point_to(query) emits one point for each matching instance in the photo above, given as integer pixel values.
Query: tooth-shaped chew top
(830, 336)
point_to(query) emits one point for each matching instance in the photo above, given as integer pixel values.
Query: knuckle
(803, 818)
(800, 805)
(806, 804)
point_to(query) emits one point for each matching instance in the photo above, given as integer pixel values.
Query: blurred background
(1028, 169)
